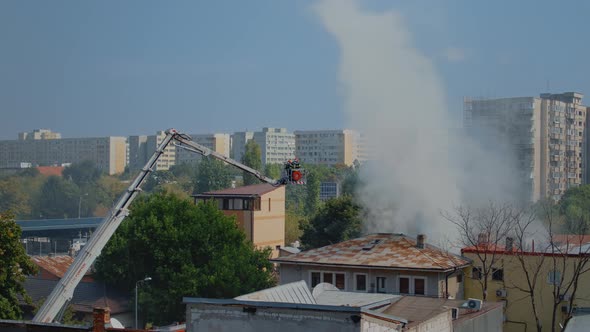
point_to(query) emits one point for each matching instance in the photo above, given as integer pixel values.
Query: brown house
(382, 263)
(259, 210)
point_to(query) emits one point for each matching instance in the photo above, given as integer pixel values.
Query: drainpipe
(447, 275)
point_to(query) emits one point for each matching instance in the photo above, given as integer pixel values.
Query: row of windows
(553, 277)
(406, 284)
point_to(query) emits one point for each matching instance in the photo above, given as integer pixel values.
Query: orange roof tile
(56, 265)
(395, 251)
(50, 170)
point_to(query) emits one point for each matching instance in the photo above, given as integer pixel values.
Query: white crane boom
(64, 290)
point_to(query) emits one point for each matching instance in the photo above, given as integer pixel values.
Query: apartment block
(218, 142)
(544, 137)
(276, 145)
(238, 144)
(142, 147)
(329, 147)
(44, 148)
(38, 134)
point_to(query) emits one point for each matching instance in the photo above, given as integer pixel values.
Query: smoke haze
(394, 96)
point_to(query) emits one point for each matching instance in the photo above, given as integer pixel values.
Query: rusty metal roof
(56, 265)
(383, 250)
(255, 189)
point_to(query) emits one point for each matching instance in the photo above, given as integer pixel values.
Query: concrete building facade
(46, 149)
(328, 147)
(543, 137)
(142, 147)
(218, 142)
(277, 145)
(238, 144)
(38, 134)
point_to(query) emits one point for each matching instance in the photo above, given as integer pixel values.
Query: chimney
(482, 238)
(102, 317)
(420, 239)
(509, 244)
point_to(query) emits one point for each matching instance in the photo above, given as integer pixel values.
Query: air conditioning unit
(501, 293)
(473, 304)
(455, 313)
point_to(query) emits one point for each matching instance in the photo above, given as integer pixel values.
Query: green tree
(212, 174)
(13, 198)
(574, 206)
(312, 201)
(253, 158)
(187, 250)
(81, 173)
(58, 198)
(336, 221)
(273, 171)
(14, 266)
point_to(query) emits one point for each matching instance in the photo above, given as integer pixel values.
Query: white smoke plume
(393, 95)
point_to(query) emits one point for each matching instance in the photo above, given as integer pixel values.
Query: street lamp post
(136, 286)
(80, 204)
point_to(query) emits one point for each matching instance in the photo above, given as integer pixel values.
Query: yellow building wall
(518, 307)
(269, 223)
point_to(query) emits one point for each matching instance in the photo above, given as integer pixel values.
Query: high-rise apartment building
(238, 144)
(545, 136)
(44, 148)
(219, 143)
(141, 149)
(329, 147)
(276, 145)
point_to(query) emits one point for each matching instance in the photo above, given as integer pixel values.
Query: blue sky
(133, 67)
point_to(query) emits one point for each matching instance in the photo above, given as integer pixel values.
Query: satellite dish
(116, 324)
(322, 287)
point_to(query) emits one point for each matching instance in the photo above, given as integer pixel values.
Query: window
(404, 285)
(380, 284)
(360, 282)
(340, 281)
(476, 273)
(554, 277)
(498, 274)
(459, 278)
(315, 279)
(336, 279)
(419, 286)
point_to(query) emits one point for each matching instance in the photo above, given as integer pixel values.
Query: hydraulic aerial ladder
(64, 290)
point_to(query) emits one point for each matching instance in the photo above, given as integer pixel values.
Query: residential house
(259, 211)
(381, 263)
(507, 281)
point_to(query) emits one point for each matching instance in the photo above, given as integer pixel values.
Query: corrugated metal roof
(396, 251)
(352, 299)
(56, 265)
(295, 292)
(256, 189)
